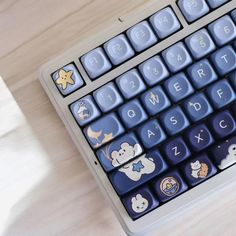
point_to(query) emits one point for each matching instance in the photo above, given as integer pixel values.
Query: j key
(176, 150)
(198, 169)
(193, 9)
(200, 137)
(223, 30)
(107, 97)
(165, 22)
(103, 130)
(155, 100)
(202, 73)
(198, 107)
(151, 134)
(140, 202)
(177, 57)
(223, 124)
(233, 79)
(225, 153)
(137, 172)
(119, 151)
(169, 186)
(221, 93)
(216, 3)
(95, 63)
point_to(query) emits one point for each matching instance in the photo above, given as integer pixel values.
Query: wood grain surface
(45, 187)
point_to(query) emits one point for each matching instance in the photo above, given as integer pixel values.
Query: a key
(233, 14)
(233, 79)
(216, 3)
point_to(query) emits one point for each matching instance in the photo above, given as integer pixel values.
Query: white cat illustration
(230, 158)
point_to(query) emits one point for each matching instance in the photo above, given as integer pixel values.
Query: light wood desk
(45, 186)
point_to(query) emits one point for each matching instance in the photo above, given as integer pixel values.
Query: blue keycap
(118, 49)
(224, 153)
(103, 130)
(151, 134)
(200, 44)
(200, 137)
(141, 36)
(174, 120)
(223, 124)
(198, 107)
(193, 9)
(107, 97)
(221, 93)
(169, 186)
(95, 63)
(130, 83)
(223, 30)
(198, 169)
(155, 100)
(85, 110)
(216, 3)
(165, 22)
(132, 113)
(137, 172)
(233, 79)
(153, 70)
(119, 151)
(176, 57)
(233, 14)
(176, 150)
(224, 60)
(67, 79)
(233, 107)
(178, 87)
(201, 73)
(140, 202)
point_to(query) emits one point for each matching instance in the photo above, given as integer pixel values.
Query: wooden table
(45, 186)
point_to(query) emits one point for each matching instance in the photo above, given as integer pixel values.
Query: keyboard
(150, 104)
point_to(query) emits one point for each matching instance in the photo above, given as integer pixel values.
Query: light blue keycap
(151, 133)
(221, 93)
(216, 3)
(197, 107)
(132, 113)
(107, 97)
(153, 70)
(178, 87)
(85, 110)
(193, 9)
(95, 63)
(103, 130)
(177, 57)
(118, 49)
(233, 14)
(165, 22)
(155, 100)
(233, 79)
(141, 36)
(174, 120)
(201, 73)
(200, 44)
(223, 30)
(224, 60)
(130, 83)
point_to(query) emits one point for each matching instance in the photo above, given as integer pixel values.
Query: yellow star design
(65, 78)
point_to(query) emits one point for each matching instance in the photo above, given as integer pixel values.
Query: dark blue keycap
(198, 107)
(140, 202)
(103, 130)
(176, 150)
(200, 137)
(202, 73)
(155, 100)
(234, 110)
(198, 169)
(119, 151)
(224, 60)
(233, 79)
(170, 186)
(174, 121)
(223, 124)
(137, 172)
(221, 93)
(178, 87)
(151, 134)
(224, 154)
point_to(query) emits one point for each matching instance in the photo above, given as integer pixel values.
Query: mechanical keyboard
(150, 104)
